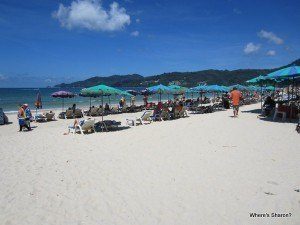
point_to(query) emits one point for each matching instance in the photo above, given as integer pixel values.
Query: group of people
(24, 117)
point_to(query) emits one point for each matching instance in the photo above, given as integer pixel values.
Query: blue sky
(45, 42)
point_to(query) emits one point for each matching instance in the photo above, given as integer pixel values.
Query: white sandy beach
(204, 169)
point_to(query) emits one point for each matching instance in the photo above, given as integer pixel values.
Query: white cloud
(2, 77)
(251, 48)
(90, 14)
(271, 52)
(48, 80)
(270, 36)
(135, 33)
(237, 11)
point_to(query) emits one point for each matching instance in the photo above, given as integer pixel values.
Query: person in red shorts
(235, 96)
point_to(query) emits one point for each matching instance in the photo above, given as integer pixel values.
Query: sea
(11, 98)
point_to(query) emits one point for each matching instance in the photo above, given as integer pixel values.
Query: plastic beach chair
(146, 117)
(87, 125)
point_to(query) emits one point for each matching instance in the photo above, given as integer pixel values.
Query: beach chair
(50, 116)
(107, 125)
(146, 117)
(124, 109)
(94, 111)
(86, 126)
(40, 118)
(183, 112)
(78, 113)
(101, 111)
(165, 115)
(114, 110)
(69, 114)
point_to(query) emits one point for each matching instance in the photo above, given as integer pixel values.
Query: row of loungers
(218, 105)
(98, 111)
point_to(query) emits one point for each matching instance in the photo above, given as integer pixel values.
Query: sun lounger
(107, 125)
(146, 117)
(86, 126)
(40, 118)
(78, 113)
(50, 116)
(183, 112)
(124, 109)
(114, 110)
(69, 114)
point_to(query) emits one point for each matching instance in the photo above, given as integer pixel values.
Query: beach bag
(2, 120)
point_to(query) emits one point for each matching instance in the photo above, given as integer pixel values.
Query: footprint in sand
(269, 193)
(272, 182)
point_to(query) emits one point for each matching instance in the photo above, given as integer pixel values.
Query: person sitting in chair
(268, 106)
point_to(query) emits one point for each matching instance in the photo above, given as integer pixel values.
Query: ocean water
(11, 98)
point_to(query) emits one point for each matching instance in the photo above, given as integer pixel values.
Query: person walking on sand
(235, 96)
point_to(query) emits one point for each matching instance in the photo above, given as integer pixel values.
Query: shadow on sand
(256, 111)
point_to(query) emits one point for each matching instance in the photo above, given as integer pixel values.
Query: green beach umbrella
(100, 91)
(178, 89)
(160, 89)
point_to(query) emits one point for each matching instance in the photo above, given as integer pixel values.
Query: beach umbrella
(200, 89)
(146, 92)
(160, 89)
(269, 88)
(289, 72)
(100, 91)
(126, 94)
(176, 89)
(216, 88)
(256, 80)
(63, 95)
(253, 88)
(133, 92)
(239, 87)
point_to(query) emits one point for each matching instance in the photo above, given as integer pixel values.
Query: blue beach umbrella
(239, 87)
(216, 88)
(176, 89)
(199, 88)
(289, 72)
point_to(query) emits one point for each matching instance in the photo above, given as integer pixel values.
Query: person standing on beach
(22, 118)
(235, 96)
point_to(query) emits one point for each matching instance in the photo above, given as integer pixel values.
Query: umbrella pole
(90, 103)
(261, 97)
(201, 101)
(102, 107)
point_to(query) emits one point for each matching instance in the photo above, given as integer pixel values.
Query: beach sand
(204, 169)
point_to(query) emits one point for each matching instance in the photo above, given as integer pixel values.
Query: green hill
(188, 79)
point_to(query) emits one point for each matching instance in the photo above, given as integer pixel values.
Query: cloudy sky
(45, 42)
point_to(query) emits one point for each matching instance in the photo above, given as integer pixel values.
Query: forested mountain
(188, 79)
